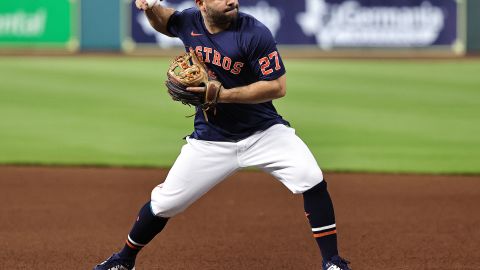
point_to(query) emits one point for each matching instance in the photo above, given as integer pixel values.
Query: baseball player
(244, 130)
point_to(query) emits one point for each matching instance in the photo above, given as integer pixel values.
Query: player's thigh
(199, 167)
(283, 154)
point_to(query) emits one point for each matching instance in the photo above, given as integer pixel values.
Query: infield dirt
(73, 218)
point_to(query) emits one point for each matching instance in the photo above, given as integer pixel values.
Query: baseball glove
(188, 71)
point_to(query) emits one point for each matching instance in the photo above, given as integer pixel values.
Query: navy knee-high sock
(319, 211)
(145, 228)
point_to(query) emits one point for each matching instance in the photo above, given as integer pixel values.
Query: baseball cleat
(115, 263)
(336, 263)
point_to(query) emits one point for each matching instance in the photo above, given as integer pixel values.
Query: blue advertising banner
(332, 24)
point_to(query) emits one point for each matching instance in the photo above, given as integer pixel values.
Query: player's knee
(299, 179)
(309, 174)
(165, 206)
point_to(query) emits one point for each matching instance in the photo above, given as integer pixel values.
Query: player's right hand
(145, 4)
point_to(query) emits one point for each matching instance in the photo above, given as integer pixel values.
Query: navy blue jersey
(244, 53)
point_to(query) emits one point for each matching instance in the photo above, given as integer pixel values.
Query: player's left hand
(202, 89)
(198, 89)
(211, 90)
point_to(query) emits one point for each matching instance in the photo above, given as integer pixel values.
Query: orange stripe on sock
(131, 245)
(318, 235)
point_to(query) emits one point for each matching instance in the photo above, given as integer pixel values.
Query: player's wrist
(225, 96)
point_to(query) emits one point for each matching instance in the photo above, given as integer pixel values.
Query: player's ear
(200, 4)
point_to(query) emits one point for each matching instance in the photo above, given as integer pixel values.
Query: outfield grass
(380, 116)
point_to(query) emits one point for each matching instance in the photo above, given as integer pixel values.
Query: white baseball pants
(203, 164)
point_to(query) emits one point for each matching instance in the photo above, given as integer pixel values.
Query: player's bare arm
(258, 92)
(157, 14)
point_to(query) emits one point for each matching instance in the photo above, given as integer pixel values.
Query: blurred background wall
(329, 26)
(100, 24)
(473, 26)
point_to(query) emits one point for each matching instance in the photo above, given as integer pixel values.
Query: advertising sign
(374, 23)
(36, 22)
(335, 23)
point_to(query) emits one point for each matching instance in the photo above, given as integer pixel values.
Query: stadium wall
(473, 26)
(101, 23)
(327, 27)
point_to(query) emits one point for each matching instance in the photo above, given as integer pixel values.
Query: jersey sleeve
(264, 59)
(177, 22)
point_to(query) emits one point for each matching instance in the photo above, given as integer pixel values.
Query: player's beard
(221, 18)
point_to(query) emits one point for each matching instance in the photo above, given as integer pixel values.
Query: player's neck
(214, 28)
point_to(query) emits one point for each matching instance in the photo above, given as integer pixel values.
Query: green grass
(380, 116)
